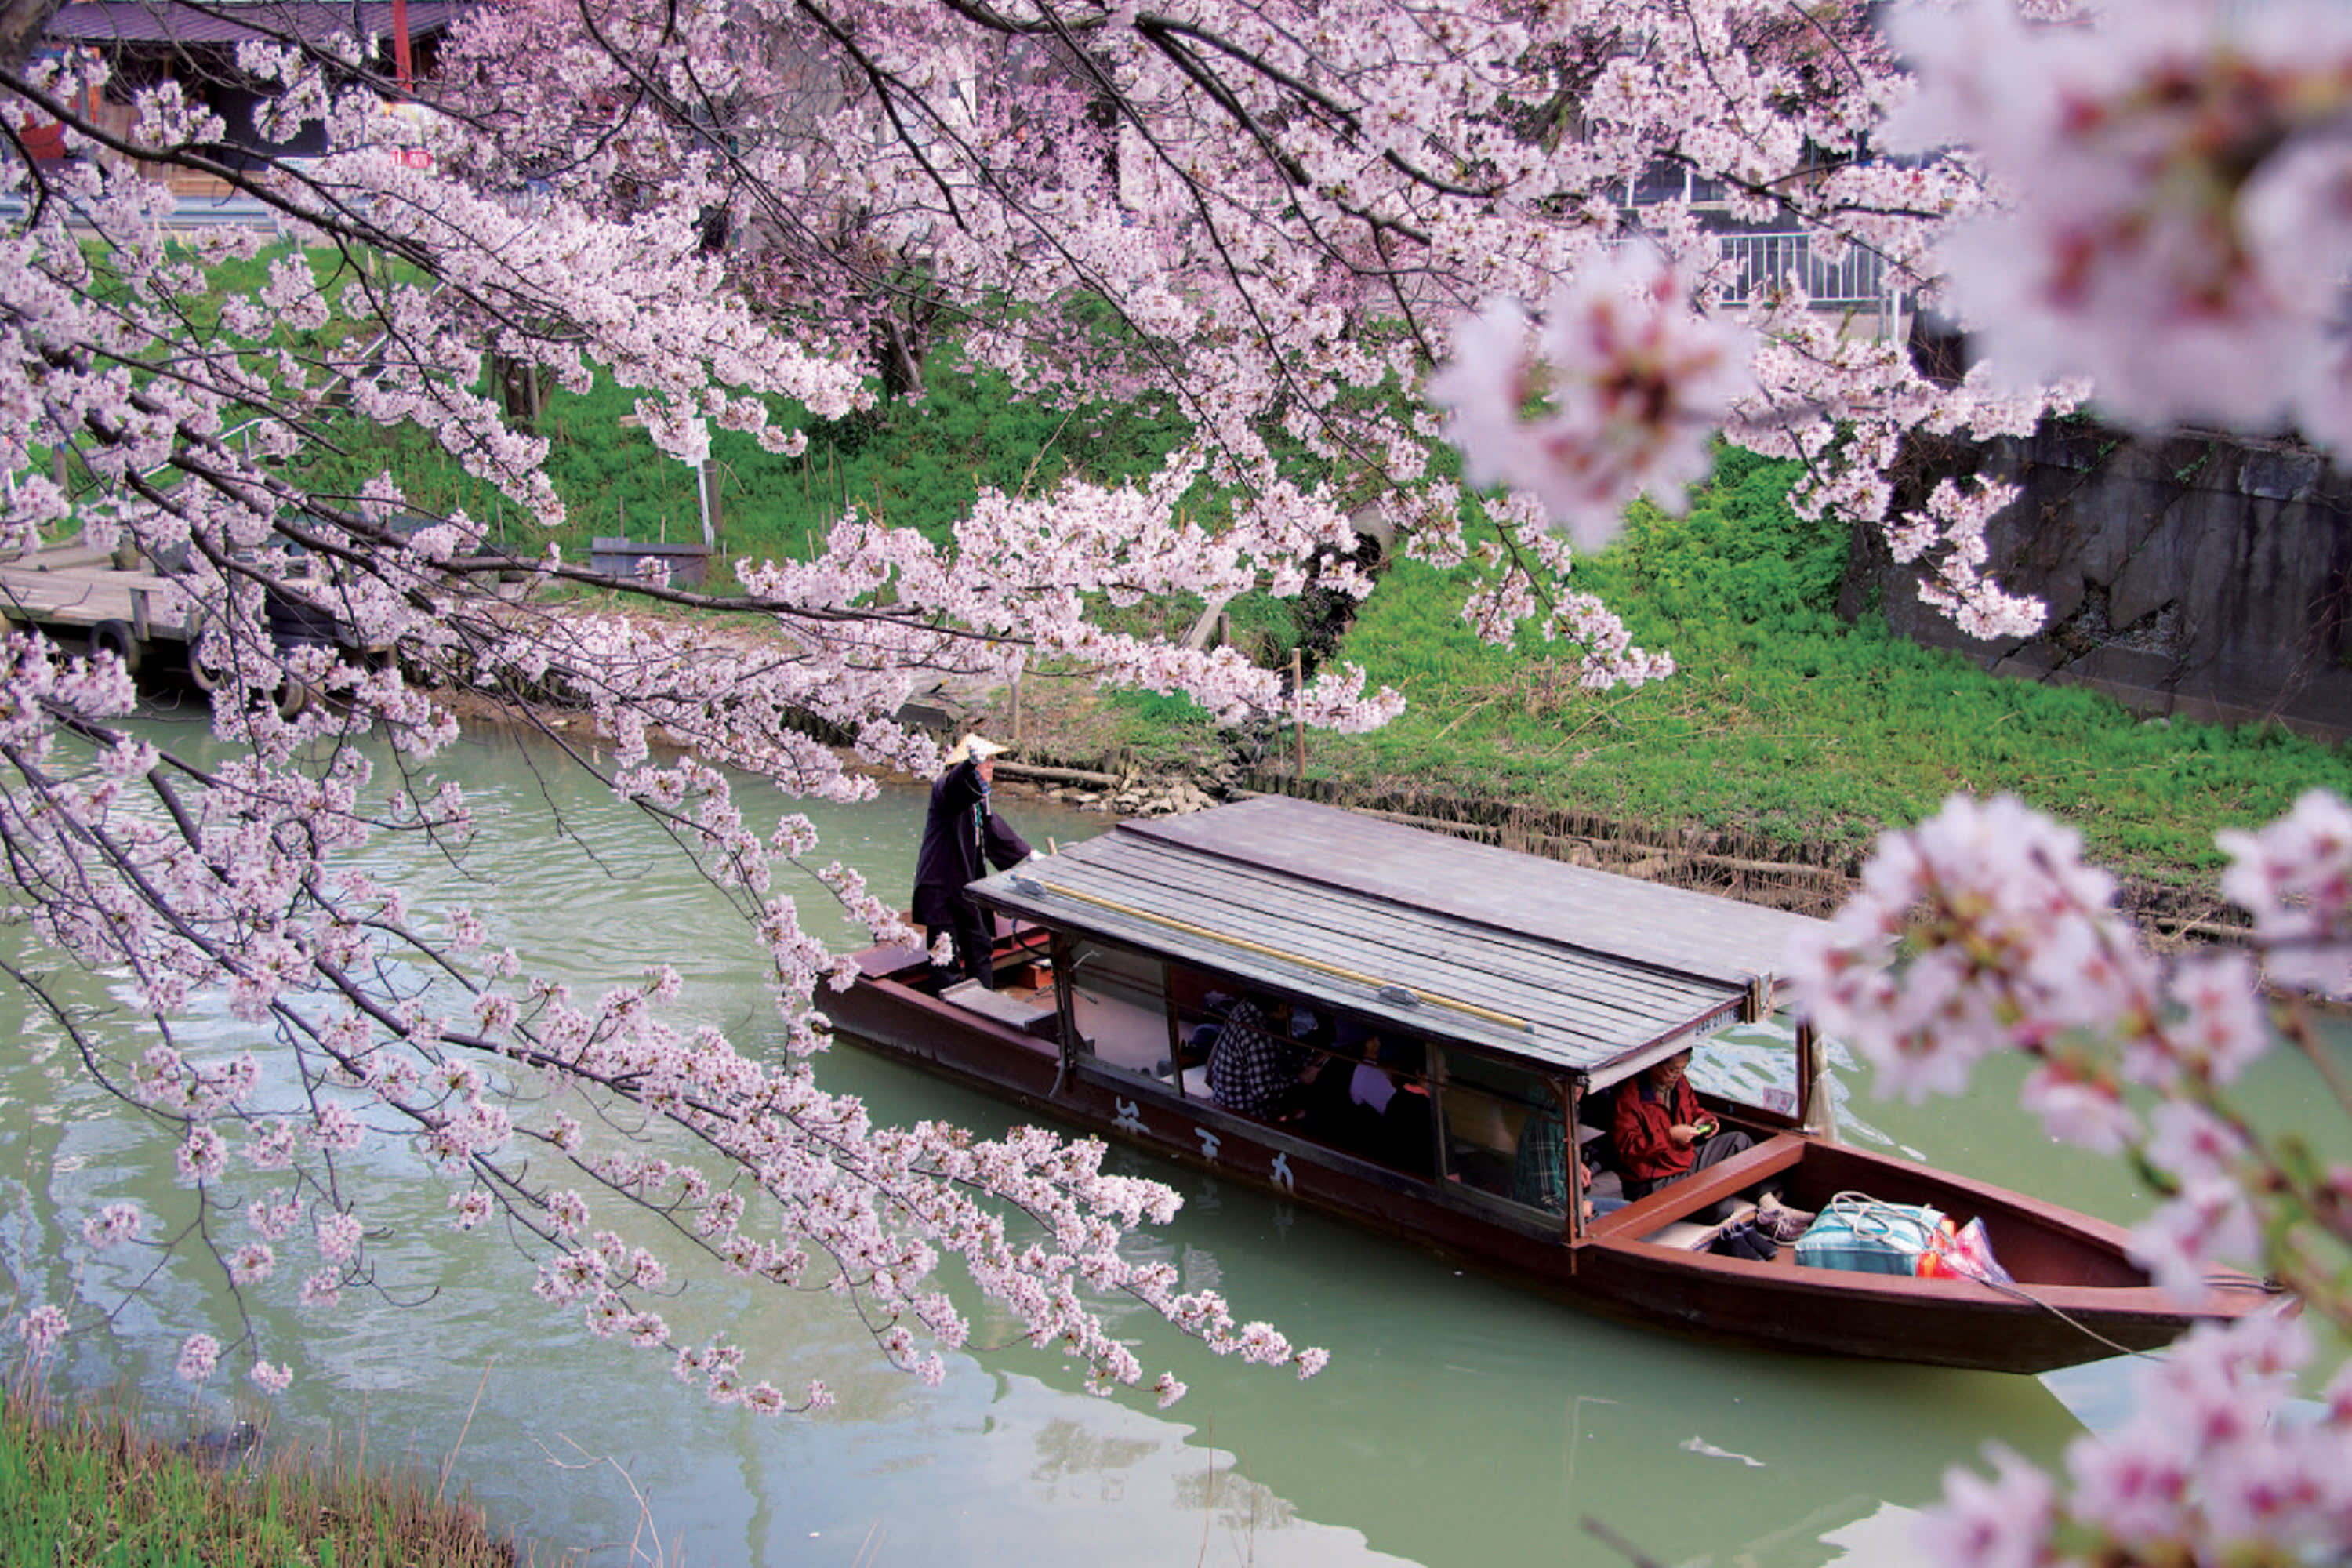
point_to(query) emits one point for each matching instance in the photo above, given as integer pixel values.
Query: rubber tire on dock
(116, 638)
(294, 697)
(201, 675)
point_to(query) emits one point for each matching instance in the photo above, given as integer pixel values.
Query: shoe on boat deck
(1780, 1222)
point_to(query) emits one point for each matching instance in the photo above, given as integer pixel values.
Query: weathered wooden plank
(1517, 992)
(1575, 990)
(1447, 938)
(1677, 927)
(83, 597)
(1426, 937)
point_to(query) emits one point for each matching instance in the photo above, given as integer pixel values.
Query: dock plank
(60, 588)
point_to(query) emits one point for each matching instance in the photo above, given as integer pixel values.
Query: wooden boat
(1499, 987)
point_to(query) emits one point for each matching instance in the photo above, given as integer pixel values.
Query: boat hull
(2079, 1297)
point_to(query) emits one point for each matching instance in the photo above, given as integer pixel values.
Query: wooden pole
(714, 511)
(1299, 717)
(403, 59)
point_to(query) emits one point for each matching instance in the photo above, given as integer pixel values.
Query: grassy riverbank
(89, 1487)
(1789, 740)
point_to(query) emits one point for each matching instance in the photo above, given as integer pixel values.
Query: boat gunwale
(1780, 1150)
(1611, 1263)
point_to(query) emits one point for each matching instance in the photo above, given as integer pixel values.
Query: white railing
(1756, 263)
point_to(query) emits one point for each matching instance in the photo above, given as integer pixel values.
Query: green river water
(1461, 1421)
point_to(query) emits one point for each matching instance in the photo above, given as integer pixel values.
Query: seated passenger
(1661, 1133)
(1367, 1108)
(1408, 1131)
(1539, 1166)
(1253, 1067)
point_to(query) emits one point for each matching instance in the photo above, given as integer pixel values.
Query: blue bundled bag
(1860, 1232)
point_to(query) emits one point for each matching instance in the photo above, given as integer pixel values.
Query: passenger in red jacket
(1661, 1133)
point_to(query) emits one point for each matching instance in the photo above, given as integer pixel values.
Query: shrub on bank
(83, 1486)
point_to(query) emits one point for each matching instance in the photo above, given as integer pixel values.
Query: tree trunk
(23, 24)
(902, 361)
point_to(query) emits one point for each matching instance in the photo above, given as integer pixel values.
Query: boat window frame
(1068, 967)
(1077, 1048)
(1567, 1086)
(1570, 1088)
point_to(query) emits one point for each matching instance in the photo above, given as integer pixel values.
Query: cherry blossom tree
(1335, 240)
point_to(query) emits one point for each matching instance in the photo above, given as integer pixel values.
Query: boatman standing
(959, 836)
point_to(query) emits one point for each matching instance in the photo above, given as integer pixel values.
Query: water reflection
(1460, 1420)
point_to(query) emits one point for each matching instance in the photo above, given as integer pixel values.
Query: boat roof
(1523, 957)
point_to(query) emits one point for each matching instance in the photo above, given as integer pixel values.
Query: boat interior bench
(1665, 1216)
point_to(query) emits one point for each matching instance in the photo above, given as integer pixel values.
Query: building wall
(2198, 575)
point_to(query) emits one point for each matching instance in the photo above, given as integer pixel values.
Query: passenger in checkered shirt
(1253, 1068)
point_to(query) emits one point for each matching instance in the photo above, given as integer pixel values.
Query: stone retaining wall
(2201, 575)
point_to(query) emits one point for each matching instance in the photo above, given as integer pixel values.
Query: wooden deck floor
(76, 587)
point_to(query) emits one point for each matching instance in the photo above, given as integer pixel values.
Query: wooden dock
(78, 592)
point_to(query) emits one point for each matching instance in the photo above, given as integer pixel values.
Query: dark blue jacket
(961, 838)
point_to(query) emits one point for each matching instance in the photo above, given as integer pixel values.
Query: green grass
(89, 1487)
(1785, 724)
(916, 464)
(200, 313)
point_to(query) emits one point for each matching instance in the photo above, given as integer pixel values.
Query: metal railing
(187, 212)
(1755, 264)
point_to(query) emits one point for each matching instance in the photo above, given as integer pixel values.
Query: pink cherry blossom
(2137, 232)
(113, 1224)
(338, 1235)
(198, 1356)
(1319, 244)
(1633, 380)
(1978, 930)
(2002, 1523)
(41, 1329)
(203, 1155)
(2295, 878)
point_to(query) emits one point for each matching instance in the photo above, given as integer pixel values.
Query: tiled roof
(160, 21)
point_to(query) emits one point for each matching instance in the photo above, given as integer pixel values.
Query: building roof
(1522, 957)
(165, 22)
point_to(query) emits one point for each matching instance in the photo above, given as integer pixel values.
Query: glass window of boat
(1751, 1069)
(1370, 1095)
(1505, 1132)
(1119, 1001)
